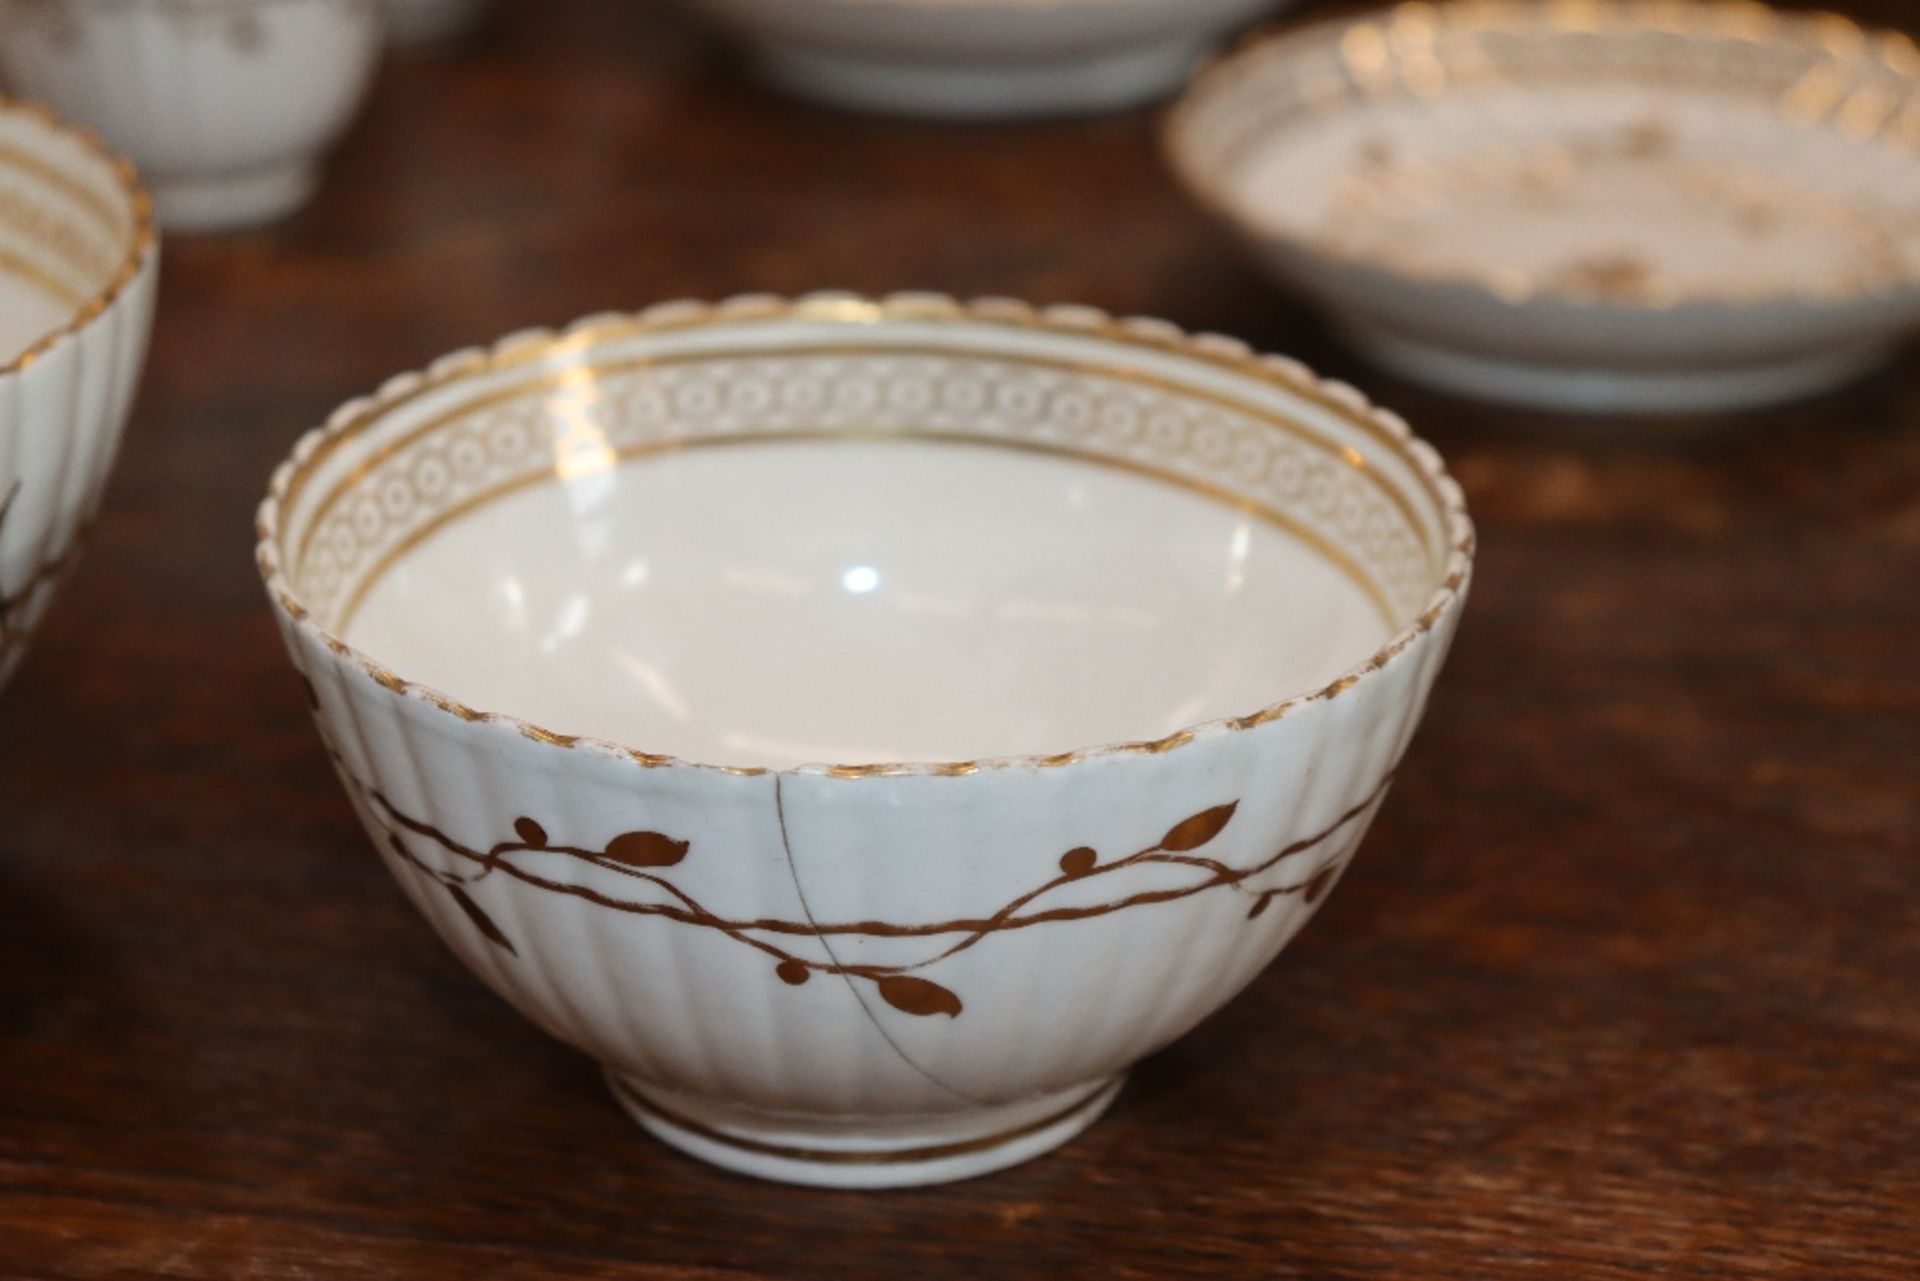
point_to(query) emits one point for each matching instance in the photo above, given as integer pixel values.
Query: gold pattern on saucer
(1808, 74)
(1618, 277)
(1420, 535)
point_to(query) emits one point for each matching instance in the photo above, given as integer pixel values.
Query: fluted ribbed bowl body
(742, 534)
(77, 270)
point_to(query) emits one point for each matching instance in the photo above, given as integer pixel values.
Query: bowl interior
(69, 222)
(804, 541)
(1616, 151)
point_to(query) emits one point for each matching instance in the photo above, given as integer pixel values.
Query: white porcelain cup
(78, 263)
(227, 106)
(866, 728)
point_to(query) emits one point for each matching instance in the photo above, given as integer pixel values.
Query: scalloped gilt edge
(854, 309)
(143, 242)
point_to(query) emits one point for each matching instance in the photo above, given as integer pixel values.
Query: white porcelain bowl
(1594, 205)
(943, 706)
(78, 260)
(226, 105)
(982, 58)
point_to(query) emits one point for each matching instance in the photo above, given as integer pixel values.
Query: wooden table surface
(1626, 984)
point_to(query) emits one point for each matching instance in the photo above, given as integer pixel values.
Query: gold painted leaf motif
(1194, 832)
(902, 989)
(918, 996)
(1078, 862)
(646, 849)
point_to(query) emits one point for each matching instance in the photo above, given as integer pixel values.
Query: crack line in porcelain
(838, 966)
(642, 855)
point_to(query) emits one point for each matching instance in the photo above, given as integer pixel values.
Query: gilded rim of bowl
(1138, 333)
(1841, 41)
(143, 240)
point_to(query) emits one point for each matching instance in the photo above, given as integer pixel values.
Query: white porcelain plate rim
(1138, 335)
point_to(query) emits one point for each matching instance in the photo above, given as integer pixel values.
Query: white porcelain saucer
(982, 59)
(1586, 204)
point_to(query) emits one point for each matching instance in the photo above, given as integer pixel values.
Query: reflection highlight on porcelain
(858, 601)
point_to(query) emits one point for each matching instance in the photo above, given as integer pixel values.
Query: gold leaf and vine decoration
(644, 855)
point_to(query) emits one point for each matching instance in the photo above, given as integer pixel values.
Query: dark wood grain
(1626, 984)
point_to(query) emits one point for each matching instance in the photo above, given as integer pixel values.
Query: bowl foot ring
(1112, 80)
(973, 1143)
(1605, 390)
(230, 201)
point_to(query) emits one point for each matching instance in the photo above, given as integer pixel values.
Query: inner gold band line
(33, 274)
(558, 347)
(110, 219)
(570, 376)
(1345, 564)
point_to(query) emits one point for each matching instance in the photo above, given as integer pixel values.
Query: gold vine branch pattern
(644, 855)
